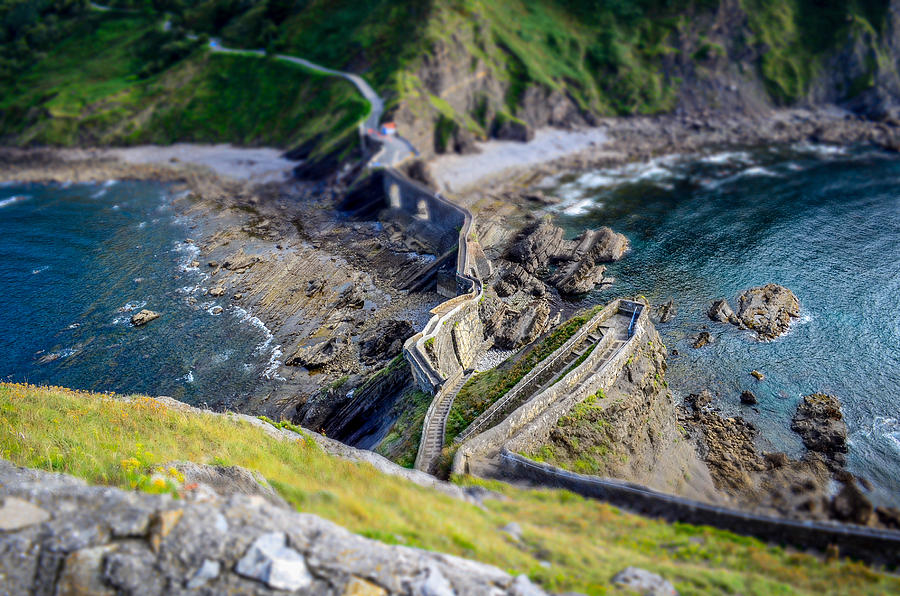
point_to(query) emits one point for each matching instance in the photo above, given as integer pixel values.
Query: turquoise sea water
(76, 261)
(823, 222)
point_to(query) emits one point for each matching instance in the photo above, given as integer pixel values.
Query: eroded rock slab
(820, 423)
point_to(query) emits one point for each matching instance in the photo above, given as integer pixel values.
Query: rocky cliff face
(728, 56)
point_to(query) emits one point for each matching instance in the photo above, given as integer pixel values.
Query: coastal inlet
(821, 221)
(77, 261)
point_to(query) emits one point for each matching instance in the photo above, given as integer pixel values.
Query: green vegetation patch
(103, 86)
(485, 388)
(108, 440)
(401, 444)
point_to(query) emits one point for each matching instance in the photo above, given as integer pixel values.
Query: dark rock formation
(521, 327)
(749, 398)
(665, 312)
(821, 425)
(143, 317)
(701, 339)
(768, 310)
(851, 505)
(385, 342)
(316, 355)
(579, 260)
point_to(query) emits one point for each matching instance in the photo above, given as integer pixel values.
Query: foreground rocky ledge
(58, 535)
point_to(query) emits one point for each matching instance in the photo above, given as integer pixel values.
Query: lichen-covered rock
(219, 545)
(644, 582)
(819, 422)
(768, 310)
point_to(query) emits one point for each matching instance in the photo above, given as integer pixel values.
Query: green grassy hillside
(117, 77)
(108, 440)
(108, 82)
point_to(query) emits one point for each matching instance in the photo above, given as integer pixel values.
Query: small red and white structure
(389, 128)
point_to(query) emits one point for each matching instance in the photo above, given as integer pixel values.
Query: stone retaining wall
(538, 414)
(869, 544)
(537, 376)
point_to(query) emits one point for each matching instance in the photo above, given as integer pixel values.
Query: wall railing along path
(869, 544)
(537, 376)
(598, 371)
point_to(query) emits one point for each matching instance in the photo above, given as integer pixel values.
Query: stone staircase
(433, 440)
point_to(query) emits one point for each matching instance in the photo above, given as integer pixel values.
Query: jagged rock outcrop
(665, 312)
(62, 536)
(385, 342)
(513, 278)
(579, 261)
(768, 310)
(721, 311)
(820, 423)
(521, 327)
(316, 354)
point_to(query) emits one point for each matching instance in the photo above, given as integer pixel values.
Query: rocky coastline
(283, 253)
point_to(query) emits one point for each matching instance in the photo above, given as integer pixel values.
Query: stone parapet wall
(536, 433)
(538, 414)
(539, 375)
(869, 544)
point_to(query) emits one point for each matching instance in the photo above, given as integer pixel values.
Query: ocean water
(824, 222)
(77, 260)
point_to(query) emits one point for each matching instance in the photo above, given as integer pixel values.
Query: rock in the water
(271, 561)
(821, 425)
(721, 311)
(666, 311)
(698, 401)
(749, 398)
(757, 375)
(701, 339)
(143, 317)
(642, 581)
(216, 292)
(768, 310)
(385, 342)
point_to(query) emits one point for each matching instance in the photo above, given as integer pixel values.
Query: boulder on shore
(701, 339)
(768, 310)
(143, 317)
(821, 426)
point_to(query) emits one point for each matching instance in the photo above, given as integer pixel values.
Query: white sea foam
(596, 179)
(728, 157)
(274, 364)
(820, 150)
(109, 183)
(99, 193)
(223, 356)
(116, 207)
(40, 269)
(579, 208)
(758, 171)
(188, 378)
(13, 199)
